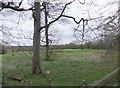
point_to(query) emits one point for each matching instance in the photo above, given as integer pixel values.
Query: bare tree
(45, 4)
(52, 9)
(36, 39)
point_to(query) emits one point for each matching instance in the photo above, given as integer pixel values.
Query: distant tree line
(103, 43)
(106, 43)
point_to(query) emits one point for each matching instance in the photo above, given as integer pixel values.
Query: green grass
(0, 70)
(68, 67)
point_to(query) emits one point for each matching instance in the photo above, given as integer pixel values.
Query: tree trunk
(119, 42)
(36, 40)
(46, 33)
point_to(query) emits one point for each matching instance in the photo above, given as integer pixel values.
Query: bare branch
(82, 19)
(14, 7)
(81, 2)
(20, 3)
(59, 15)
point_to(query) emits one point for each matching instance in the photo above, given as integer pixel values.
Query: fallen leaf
(48, 72)
(22, 81)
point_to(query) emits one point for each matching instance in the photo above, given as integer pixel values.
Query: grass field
(68, 67)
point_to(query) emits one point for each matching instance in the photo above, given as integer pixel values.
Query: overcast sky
(20, 25)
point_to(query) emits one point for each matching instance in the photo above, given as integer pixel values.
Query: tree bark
(46, 33)
(36, 40)
(119, 42)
